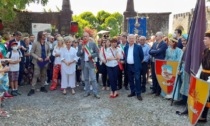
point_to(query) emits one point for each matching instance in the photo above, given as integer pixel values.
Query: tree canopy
(7, 7)
(102, 21)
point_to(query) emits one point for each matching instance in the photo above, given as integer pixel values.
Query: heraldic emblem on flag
(166, 74)
(197, 98)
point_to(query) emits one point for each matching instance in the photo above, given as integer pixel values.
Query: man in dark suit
(158, 51)
(22, 48)
(133, 57)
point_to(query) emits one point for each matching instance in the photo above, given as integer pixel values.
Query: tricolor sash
(103, 52)
(122, 48)
(88, 52)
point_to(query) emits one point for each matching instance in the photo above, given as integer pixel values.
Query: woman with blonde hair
(68, 65)
(57, 62)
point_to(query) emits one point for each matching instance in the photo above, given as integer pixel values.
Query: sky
(79, 6)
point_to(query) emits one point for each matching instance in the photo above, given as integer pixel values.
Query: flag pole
(184, 53)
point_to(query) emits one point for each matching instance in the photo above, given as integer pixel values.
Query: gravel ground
(55, 109)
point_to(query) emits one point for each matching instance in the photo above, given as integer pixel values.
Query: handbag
(119, 63)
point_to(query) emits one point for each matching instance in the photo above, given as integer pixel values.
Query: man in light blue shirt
(145, 47)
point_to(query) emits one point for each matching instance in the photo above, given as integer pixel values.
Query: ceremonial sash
(87, 50)
(103, 53)
(98, 49)
(121, 46)
(119, 63)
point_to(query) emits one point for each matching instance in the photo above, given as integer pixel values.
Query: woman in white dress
(68, 65)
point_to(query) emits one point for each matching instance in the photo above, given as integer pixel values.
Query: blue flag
(138, 26)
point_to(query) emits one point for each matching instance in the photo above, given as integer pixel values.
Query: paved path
(55, 109)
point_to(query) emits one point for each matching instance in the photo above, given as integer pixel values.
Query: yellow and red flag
(197, 98)
(166, 72)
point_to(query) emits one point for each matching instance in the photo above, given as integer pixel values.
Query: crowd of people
(123, 61)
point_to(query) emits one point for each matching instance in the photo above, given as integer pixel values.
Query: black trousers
(21, 71)
(205, 111)
(104, 73)
(78, 74)
(49, 72)
(97, 74)
(112, 73)
(120, 76)
(143, 75)
(156, 86)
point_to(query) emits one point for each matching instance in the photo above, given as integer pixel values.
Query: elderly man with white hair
(145, 47)
(158, 51)
(133, 58)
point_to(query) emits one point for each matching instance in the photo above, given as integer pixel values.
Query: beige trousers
(39, 72)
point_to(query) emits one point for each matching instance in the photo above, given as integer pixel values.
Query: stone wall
(24, 20)
(156, 22)
(183, 20)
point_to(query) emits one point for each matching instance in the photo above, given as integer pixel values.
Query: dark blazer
(158, 52)
(179, 45)
(138, 56)
(81, 54)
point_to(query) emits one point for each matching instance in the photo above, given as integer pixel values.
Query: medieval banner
(166, 72)
(198, 94)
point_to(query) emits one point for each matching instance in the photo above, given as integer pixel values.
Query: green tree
(7, 7)
(119, 18)
(81, 24)
(88, 16)
(102, 21)
(111, 24)
(101, 16)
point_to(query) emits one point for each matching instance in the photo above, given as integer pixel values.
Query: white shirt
(102, 53)
(30, 47)
(51, 45)
(68, 56)
(130, 59)
(109, 54)
(77, 51)
(14, 57)
(57, 50)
